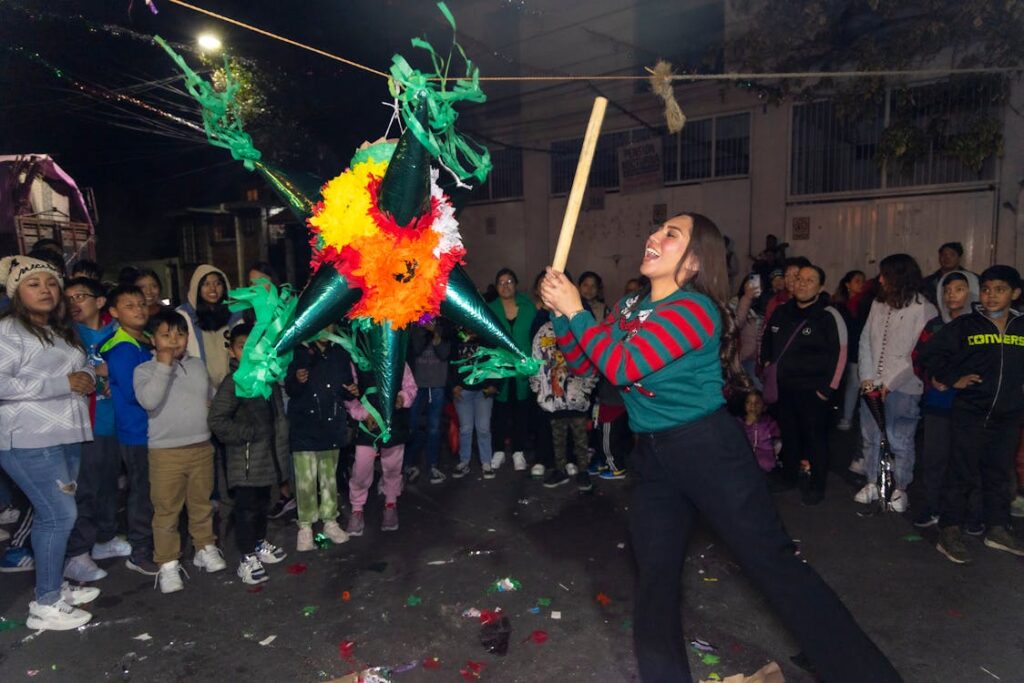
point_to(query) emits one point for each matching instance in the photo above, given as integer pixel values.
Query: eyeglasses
(79, 298)
(505, 283)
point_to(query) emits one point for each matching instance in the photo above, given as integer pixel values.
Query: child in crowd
(473, 403)
(958, 290)
(566, 397)
(96, 496)
(429, 349)
(127, 349)
(175, 391)
(45, 378)
(317, 385)
(613, 429)
(762, 431)
(369, 442)
(981, 355)
(255, 432)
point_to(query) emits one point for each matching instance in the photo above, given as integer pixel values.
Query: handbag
(770, 377)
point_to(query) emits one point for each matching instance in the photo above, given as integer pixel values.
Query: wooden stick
(579, 184)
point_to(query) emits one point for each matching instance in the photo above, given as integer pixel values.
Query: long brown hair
(902, 280)
(707, 246)
(58, 323)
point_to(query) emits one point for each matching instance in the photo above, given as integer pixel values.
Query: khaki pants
(178, 477)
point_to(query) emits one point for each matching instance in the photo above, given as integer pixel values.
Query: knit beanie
(14, 269)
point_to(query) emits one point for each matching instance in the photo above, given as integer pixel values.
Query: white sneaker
(304, 541)
(251, 570)
(78, 595)
(571, 470)
(60, 616)
(537, 471)
(900, 501)
(333, 531)
(4, 535)
(210, 559)
(268, 553)
(868, 494)
(115, 547)
(10, 515)
(82, 568)
(518, 461)
(169, 577)
(843, 425)
(858, 467)
(498, 459)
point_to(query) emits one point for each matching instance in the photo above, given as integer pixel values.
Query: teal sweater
(663, 356)
(520, 333)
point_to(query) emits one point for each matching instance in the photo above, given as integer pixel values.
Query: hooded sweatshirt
(101, 403)
(935, 401)
(210, 346)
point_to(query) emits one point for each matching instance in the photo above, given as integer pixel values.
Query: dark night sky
(140, 176)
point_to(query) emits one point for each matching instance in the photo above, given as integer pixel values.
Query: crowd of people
(118, 397)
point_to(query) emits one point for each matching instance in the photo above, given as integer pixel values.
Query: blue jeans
(902, 412)
(47, 476)
(6, 494)
(474, 409)
(428, 405)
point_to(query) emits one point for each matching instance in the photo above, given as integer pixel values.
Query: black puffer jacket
(971, 344)
(255, 432)
(316, 410)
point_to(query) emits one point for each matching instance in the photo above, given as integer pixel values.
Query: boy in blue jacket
(125, 351)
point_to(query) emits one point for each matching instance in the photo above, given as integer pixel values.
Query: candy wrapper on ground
(386, 245)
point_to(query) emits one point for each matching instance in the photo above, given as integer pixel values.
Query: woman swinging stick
(669, 349)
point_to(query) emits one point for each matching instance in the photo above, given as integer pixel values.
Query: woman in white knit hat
(44, 418)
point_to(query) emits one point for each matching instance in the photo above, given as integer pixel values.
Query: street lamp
(209, 42)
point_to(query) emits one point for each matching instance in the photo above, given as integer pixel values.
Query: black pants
(139, 505)
(96, 495)
(705, 467)
(982, 450)
(251, 505)
(511, 422)
(616, 441)
(803, 420)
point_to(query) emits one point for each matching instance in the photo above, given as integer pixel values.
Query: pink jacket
(762, 436)
(408, 391)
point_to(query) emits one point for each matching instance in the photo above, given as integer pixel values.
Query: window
(832, 154)
(716, 147)
(505, 180)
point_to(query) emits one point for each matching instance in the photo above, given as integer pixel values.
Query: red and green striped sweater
(663, 356)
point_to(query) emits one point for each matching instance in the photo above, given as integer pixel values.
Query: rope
(275, 36)
(924, 73)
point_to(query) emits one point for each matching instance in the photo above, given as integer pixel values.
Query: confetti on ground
(702, 645)
(413, 601)
(710, 659)
(489, 617)
(32, 673)
(564, 587)
(556, 615)
(296, 568)
(436, 563)
(309, 610)
(268, 640)
(506, 585)
(710, 579)
(539, 637)
(322, 541)
(471, 671)
(544, 602)
(603, 599)
(472, 613)
(431, 663)
(534, 610)
(913, 537)
(346, 596)
(346, 649)
(990, 673)
(10, 624)
(254, 589)
(955, 613)
(143, 637)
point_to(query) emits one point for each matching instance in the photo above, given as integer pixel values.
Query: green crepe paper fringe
(220, 117)
(486, 363)
(350, 341)
(261, 366)
(463, 157)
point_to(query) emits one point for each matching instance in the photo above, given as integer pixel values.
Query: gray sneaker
(999, 538)
(951, 544)
(356, 524)
(390, 520)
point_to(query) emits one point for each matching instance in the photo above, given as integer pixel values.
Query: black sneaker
(974, 528)
(142, 565)
(282, 507)
(461, 470)
(583, 481)
(555, 478)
